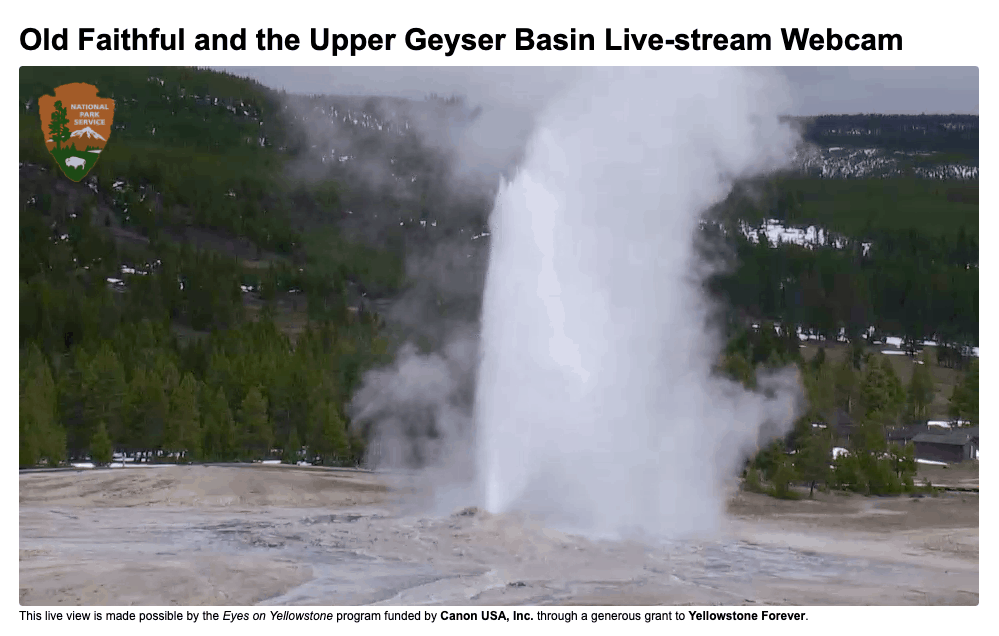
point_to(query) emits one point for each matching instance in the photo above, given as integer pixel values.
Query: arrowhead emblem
(76, 125)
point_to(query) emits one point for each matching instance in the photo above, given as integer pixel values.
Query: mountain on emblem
(88, 131)
(76, 124)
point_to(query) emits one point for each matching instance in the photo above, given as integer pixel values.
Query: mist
(418, 411)
(585, 393)
(597, 408)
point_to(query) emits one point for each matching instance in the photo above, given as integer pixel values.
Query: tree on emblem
(58, 126)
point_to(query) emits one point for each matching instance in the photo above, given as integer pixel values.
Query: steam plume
(596, 405)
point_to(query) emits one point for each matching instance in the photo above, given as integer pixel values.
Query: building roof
(956, 437)
(906, 433)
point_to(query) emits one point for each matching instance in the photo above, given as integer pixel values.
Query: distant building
(905, 434)
(955, 445)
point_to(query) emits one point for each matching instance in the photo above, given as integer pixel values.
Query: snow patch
(930, 462)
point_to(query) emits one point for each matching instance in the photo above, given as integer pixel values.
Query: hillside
(139, 286)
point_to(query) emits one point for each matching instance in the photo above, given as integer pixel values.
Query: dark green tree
(769, 459)
(40, 436)
(254, 424)
(903, 461)
(784, 474)
(820, 391)
(847, 385)
(59, 125)
(105, 393)
(920, 394)
(219, 428)
(291, 447)
(813, 458)
(329, 434)
(150, 411)
(183, 426)
(737, 367)
(963, 404)
(881, 392)
(101, 447)
(871, 466)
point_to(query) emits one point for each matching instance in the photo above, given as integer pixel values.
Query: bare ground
(285, 536)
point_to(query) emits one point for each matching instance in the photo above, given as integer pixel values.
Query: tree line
(238, 393)
(956, 134)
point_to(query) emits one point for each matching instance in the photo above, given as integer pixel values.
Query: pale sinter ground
(298, 536)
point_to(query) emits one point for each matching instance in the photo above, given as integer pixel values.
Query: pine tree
(784, 474)
(329, 433)
(105, 393)
(903, 460)
(872, 463)
(820, 390)
(228, 432)
(737, 367)
(183, 426)
(813, 458)
(920, 394)
(101, 447)
(846, 384)
(336, 432)
(150, 410)
(292, 447)
(59, 125)
(971, 389)
(768, 460)
(963, 405)
(896, 390)
(28, 432)
(881, 392)
(219, 428)
(40, 436)
(254, 424)
(72, 395)
(358, 446)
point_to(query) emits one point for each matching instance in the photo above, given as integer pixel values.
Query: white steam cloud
(589, 398)
(596, 406)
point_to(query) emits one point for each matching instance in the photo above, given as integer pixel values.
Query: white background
(933, 35)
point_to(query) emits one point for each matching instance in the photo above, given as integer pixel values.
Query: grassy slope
(944, 379)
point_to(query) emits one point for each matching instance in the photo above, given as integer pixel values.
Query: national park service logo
(76, 124)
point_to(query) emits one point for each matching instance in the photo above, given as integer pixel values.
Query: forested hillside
(191, 296)
(898, 255)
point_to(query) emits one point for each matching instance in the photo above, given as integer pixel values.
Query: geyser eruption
(596, 406)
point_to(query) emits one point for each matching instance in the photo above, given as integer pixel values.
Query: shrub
(784, 474)
(752, 481)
